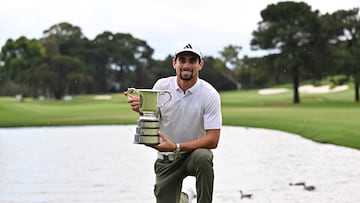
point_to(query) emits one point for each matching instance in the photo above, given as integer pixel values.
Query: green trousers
(170, 174)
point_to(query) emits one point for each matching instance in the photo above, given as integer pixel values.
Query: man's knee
(203, 157)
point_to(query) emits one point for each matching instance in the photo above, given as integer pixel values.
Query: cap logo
(188, 46)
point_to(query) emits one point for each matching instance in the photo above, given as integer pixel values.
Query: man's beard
(186, 75)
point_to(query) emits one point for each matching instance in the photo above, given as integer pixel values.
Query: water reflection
(100, 164)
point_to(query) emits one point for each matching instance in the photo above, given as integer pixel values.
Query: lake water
(100, 164)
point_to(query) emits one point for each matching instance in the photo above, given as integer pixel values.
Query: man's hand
(134, 102)
(166, 145)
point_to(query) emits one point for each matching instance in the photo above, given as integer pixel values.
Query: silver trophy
(147, 129)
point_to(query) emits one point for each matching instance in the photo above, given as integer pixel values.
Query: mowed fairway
(81, 110)
(328, 118)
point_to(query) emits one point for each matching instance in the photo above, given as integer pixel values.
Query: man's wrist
(177, 147)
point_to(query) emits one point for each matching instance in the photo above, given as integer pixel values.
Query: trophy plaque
(147, 129)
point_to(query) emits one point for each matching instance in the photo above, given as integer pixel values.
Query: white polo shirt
(187, 115)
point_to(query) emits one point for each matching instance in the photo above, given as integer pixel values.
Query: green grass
(326, 118)
(82, 110)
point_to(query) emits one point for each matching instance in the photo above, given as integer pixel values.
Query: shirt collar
(195, 87)
(192, 89)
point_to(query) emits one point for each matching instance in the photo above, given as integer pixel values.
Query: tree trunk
(296, 99)
(356, 87)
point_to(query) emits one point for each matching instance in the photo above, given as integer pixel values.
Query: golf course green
(326, 118)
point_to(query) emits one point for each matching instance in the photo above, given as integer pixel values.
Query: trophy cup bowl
(147, 130)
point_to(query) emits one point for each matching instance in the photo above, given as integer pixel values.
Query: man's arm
(209, 141)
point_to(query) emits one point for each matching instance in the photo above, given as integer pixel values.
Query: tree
(69, 39)
(123, 59)
(60, 75)
(163, 68)
(19, 59)
(259, 72)
(344, 29)
(212, 71)
(230, 57)
(290, 28)
(66, 42)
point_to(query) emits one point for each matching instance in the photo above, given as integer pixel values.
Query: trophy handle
(165, 92)
(132, 92)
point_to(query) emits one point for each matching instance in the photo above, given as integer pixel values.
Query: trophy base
(147, 131)
(147, 139)
(145, 123)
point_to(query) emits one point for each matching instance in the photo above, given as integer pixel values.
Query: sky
(163, 24)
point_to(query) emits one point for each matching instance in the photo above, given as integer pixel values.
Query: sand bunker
(309, 89)
(102, 97)
(273, 91)
(321, 89)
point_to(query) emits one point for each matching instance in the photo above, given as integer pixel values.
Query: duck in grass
(242, 195)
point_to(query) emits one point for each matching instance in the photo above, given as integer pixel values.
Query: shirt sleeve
(212, 113)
